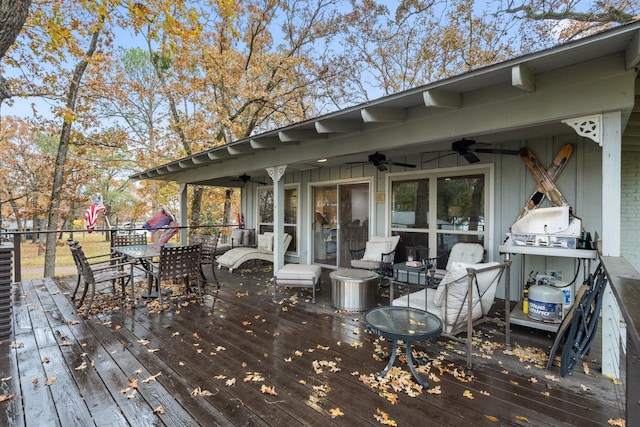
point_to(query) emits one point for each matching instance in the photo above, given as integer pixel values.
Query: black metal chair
(105, 268)
(209, 243)
(176, 262)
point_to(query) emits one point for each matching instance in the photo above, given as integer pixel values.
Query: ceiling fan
(380, 161)
(244, 178)
(463, 147)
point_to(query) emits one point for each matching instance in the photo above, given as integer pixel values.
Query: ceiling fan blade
(406, 165)
(497, 151)
(471, 158)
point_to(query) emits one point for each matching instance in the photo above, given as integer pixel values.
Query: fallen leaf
(230, 382)
(175, 334)
(336, 412)
(617, 422)
(143, 342)
(65, 344)
(34, 381)
(133, 382)
(133, 394)
(81, 367)
(5, 379)
(435, 390)
(50, 381)
(152, 377)
(5, 397)
(383, 418)
(268, 390)
(552, 378)
(584, 387)
(159, 410)
(220, 377)
(468, 394)
(585, 367)
(491, 418)
(521, 418)
(153, 350)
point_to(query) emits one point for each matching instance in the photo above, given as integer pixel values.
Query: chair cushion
(374, 251)
(292, 273)
(265, 242)
(365, 264)
(470, 253)
(247, 237)
(236, 236)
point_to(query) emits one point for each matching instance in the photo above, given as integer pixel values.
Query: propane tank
(545, 303)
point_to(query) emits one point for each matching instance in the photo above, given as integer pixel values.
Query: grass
(32, 254)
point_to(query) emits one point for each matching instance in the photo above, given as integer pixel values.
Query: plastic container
(546, 303)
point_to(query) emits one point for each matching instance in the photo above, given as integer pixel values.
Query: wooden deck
(217, 363)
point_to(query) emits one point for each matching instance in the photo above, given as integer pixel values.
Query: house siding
(630, 207)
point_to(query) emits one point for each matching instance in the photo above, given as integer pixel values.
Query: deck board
(240, 330)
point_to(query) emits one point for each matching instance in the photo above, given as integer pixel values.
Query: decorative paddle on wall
(463, 147)
(380, 161)
(244, 178)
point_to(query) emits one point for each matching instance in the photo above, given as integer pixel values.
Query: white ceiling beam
(237, 149)
(383, 114)
(337, 126)
(295, 135)
(442, 98)
(265, 143)
(523, 78)
(220, 154)
(632, 53)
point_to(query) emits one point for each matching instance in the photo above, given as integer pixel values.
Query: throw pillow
(265, 242)
(374, 250)
(456, 276)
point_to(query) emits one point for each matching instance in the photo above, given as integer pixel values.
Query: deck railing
(11, 241)
(625, 285)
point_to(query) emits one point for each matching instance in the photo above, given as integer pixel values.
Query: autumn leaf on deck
(468, 394)
(5, 397)
(288, 359)
(50, 381)
(322, 389)
(133, 394)
(34, 381)
(298, 353)
(5, 379)
(617, 422)
(196, 336)
(246, 323)
(356, 344)
(46, 360)
(133, 383)
(198, 392)
(65, 344)
(491, 418)
(253, 376)
(152, 350)
(545, 393)
(175, 334)
(383, 418)
(152, 377)
(336, 412)
(81, 367)
(230, 382)
(143, 342)
(585, 367)
(486, 393)
(435, 390)
(521, 418)
(242, 294)
(552, 378)
(219, 377)
(268, 390)
(159, 410)
(73, 322)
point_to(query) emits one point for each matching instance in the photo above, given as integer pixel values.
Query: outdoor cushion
(236, 236)
(374, 251)
(265, 242)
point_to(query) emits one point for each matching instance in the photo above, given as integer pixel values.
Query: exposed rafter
(523, 78)
(442, 98)
(383, 114)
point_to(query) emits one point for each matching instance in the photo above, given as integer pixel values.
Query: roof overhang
(300, 145)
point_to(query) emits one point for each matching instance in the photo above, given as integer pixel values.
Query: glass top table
(403, 324)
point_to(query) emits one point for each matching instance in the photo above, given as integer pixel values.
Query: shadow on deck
(242, 359)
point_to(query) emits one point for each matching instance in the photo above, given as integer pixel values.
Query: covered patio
(243, 359)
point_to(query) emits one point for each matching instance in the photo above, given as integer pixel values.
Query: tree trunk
(63, 148)
(13, 13)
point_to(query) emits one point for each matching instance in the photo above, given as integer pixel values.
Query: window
(459, 199)
(265, 212)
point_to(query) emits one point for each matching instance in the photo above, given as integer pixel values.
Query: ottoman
(297, 275)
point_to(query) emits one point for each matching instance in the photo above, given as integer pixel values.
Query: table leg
(420, 381)
(412, 367)
(392, 359)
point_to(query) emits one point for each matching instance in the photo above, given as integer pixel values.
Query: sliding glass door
(340, 222)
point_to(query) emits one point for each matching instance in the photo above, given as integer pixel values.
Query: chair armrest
(438, 262)
(97, 268)
(357, 253)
